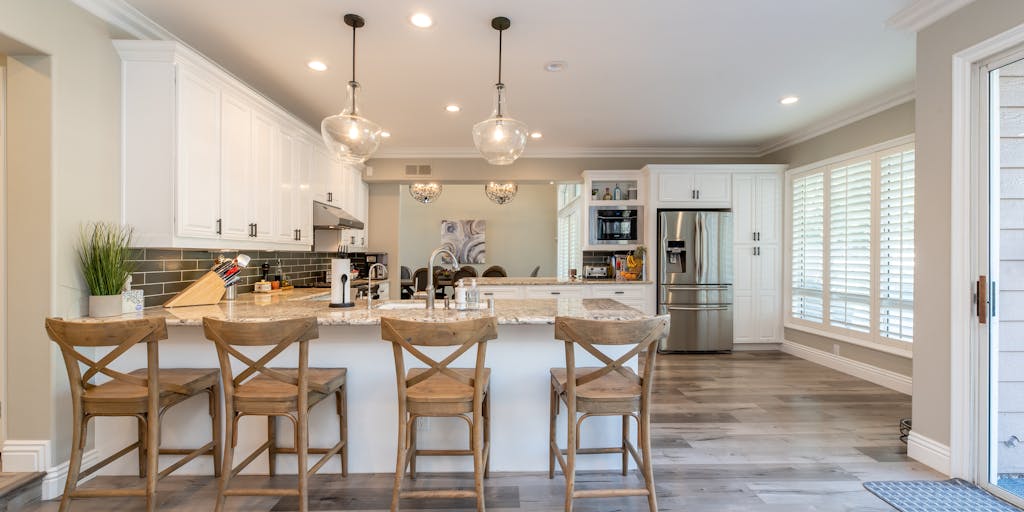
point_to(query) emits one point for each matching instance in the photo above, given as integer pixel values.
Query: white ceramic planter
(104, 305)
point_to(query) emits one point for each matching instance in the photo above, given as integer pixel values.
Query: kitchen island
(519, 360)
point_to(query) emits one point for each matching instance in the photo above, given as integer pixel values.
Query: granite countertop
(304, 302)
(546, 281)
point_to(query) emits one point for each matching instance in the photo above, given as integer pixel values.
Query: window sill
(897, 348)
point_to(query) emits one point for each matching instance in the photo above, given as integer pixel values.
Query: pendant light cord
(353, 82)
(499, 85)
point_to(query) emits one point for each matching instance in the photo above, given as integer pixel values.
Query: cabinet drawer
(499, 292)
(628, 292)
(553, 292)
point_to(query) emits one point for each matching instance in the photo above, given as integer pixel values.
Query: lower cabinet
(637, 296)
(756, 293)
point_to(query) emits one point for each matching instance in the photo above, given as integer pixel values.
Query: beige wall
(936, 46)
(520, 235)
(383, 234)
(69, 172)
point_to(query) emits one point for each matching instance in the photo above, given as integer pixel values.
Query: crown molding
(582, 152)
(834, 122)
(922, 13)
(127, 18)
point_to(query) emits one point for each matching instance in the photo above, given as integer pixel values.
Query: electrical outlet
(835, 348)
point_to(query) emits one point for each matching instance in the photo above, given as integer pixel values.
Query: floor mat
(937, 496)
(1014, 485)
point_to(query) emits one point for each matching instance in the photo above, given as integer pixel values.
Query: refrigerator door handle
(698, 242)
(697, 308)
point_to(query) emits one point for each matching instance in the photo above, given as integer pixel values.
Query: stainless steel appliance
(695, 279)
(595, 272)
(616, 225)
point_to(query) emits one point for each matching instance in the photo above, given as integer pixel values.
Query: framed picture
(465, 239)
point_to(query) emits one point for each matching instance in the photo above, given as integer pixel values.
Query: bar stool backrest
(407, 335)
(643, 334)
(280, 334)
(120, 334)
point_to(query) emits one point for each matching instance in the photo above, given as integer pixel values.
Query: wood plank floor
(751, 432)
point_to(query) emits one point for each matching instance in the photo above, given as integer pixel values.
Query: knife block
(207, 290)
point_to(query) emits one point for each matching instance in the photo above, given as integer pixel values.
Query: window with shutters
(850, 245)
(570, 248)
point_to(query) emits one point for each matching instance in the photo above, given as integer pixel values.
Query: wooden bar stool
(440, 391)
(611, 390)
(144, 394)
(261, 391)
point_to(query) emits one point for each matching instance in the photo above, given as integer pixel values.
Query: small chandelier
(501, 193)
(425, 193)
(350, 136)
(500, 139)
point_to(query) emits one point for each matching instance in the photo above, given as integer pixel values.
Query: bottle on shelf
(472, 295)
(607, 194)
(617, 195)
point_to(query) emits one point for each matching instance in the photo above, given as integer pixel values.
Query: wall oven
(616, 225)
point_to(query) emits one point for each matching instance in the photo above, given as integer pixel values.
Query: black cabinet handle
(330, 197)
(698, 194)
(693, 194)
(218, 226)
(556, 293)
(620, 292)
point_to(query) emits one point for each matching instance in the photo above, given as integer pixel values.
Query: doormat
(937, 496)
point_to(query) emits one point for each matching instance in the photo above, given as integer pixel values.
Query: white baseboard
(929, 452)
(34, 455)
(890, 379)
(749, 347)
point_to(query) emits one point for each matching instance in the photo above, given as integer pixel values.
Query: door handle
(698, 308)
(983, 299)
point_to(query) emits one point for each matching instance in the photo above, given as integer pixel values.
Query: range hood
(326, 216)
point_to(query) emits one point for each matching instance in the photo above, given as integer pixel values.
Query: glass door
(1000, 294)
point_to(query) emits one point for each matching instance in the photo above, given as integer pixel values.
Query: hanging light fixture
(349, 135)
(425, 193)
(500, 139)
(501, 193)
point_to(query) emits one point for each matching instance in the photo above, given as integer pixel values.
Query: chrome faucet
(430, 273)
(369, 283)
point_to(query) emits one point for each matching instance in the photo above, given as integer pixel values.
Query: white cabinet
(757, 208)
(208, 163)
(302, 211)
(757, 263)
(637, 296)
(555, 292)
(501, 292)
(693, 187)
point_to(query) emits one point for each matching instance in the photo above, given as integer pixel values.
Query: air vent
(417, 170)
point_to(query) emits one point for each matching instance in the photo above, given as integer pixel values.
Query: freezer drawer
(694, 294)
(697, 328)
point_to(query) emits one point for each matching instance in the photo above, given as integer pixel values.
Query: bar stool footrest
(609, 493)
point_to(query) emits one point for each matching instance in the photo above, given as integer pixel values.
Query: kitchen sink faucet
(430, 273)
(369, 283)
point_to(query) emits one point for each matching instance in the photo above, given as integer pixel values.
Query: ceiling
(663, 76)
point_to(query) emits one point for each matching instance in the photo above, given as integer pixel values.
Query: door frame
(968, 258)
(3, 251)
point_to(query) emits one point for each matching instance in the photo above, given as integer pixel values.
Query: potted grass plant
(105, 256)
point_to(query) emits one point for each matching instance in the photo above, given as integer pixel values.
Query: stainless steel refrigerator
(695, 279)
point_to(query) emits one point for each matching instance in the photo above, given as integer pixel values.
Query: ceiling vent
(417, 170)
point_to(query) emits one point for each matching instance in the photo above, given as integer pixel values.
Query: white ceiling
(662, 75)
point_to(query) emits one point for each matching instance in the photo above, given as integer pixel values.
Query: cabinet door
(287, 190)
(767, 320)
(266, 169)
(743, 208)
(769, 208)
(235, 175)
(713, 187)
(743, 269)
(500, 292)
(319, 173)
(198, 179)
(303, 212)
(767, 269)
(676, 187)
(744, 320)
(336, 181)
(554, 292)
(364, 202)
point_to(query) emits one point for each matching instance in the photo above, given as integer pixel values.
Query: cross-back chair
(261, 390)
(441, 391)
(144, 394)
(613, 389)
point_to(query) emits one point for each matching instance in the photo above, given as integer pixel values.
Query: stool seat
(610, 393)
(176, 384)
(444, 392)
(263, 389)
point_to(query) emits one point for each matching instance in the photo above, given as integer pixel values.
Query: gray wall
(886, 125)
(936, 46)
(520, 235)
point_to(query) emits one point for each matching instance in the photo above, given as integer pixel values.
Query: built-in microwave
(616, 225)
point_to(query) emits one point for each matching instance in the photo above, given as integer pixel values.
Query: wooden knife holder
(207, 290)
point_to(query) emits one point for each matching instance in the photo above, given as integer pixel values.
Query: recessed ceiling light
(536, 135)
(385, 134)
(789, 100)
(551, 183)
(453, 108)
(421, 20)
(555, 66)
(316, 65)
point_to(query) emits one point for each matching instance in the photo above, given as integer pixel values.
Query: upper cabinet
(210, 163)
(757, 204)
(691, 186)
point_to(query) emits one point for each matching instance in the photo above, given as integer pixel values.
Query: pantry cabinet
(757, 263)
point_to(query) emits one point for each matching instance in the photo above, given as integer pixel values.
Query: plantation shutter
(896, 245)
(808, 247)
(850, 247)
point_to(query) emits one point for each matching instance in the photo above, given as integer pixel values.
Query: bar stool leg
(230, 440)
(75, 464)
(142, 447)
(152, 453)
(625, 439)
(215, 419)
(302, 448)
(342, 406)
(487, 434)
(400, 464)
(478, 457)
(645, 447)
(272, 439)
(570, 459)
(412, 446)
(553, 416)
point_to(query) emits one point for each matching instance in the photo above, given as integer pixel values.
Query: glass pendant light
(501, 193)
(500, 139)
(425, 193)
(350, 136)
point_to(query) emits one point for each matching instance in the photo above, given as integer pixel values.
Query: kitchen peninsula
(519, 360)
